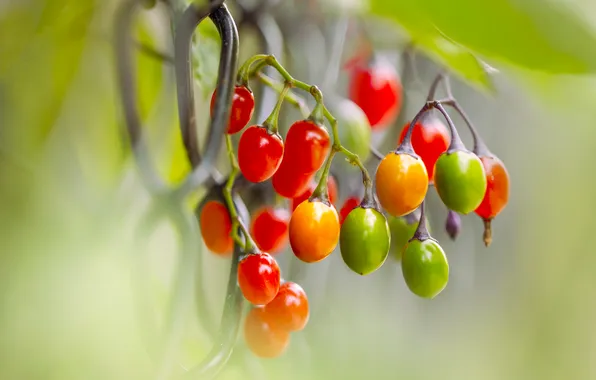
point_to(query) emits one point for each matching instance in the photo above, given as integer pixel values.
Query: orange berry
(289, 309)
(314, 231)
(261, 338)
(401, 183)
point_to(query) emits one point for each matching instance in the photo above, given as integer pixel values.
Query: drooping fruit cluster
(388, 216)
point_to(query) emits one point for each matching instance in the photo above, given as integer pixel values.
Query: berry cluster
(389, 216)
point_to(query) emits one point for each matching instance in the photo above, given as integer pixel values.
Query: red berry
(258, 278)
(331, 192)
(497, 189)
(288, 183)
(377, 89)
(430, 138)
(269, 229)
(259, 153)
(307, 146)
(262, 339)
(289, 309)
(349, 204)
(243, 106)
(216, 228)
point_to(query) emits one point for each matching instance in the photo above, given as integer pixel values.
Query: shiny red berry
(289, 309)
(288, 183)
(262, 339)
(243, 106)
(307, 146)
(331, 192)
(430, 138)
(259, 153)
(269, 229)
(376, 88)
(349, 204)
(258, 278)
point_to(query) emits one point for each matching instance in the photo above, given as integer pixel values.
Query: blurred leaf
(206, 47)
(540, 35)
(456, 57)
(39, 61)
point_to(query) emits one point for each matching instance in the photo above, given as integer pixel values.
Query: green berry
(460, 180)
(364, 240)
(425, 268)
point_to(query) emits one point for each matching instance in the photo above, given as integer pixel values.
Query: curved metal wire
(228, 62)
(172, 206)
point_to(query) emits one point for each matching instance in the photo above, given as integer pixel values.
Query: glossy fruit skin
(460, 181)
(364, 240)
(314, 231)
(401, 183)
(307, 146)
(259, 153)
(259, 278)
(353, 127)
(243, 106)
(288, 183)
(430, 138)
(425, 268)
(349, 204)
(216, 228)
(289, 310)
(377, 90)
(331, 192)
(262, 339)
(497, 189)
(269, 229)
(402, 230)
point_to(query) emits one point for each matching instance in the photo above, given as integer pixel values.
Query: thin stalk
(291, 97)
(271, 123)
(422, 230)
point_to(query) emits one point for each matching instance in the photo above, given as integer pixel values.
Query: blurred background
(83, 296)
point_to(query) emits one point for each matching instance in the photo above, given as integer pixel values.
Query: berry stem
(271, 123)
(247, 244)
(320, 191)
(456, 143)
(245, 70)
(422, 230)
(441, 77)
(488, 233)
(291, 98)
(480, 148)
(406, 144)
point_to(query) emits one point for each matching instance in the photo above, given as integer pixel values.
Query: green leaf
(541, 35)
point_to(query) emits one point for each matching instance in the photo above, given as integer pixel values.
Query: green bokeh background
(81, 299)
